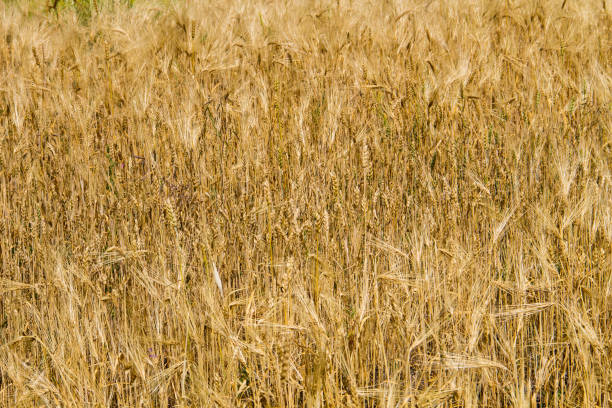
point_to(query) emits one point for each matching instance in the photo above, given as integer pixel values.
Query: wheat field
(278, 203)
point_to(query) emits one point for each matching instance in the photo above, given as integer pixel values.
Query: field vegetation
(347, 203)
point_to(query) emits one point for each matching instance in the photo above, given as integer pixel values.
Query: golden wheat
(239, 203)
